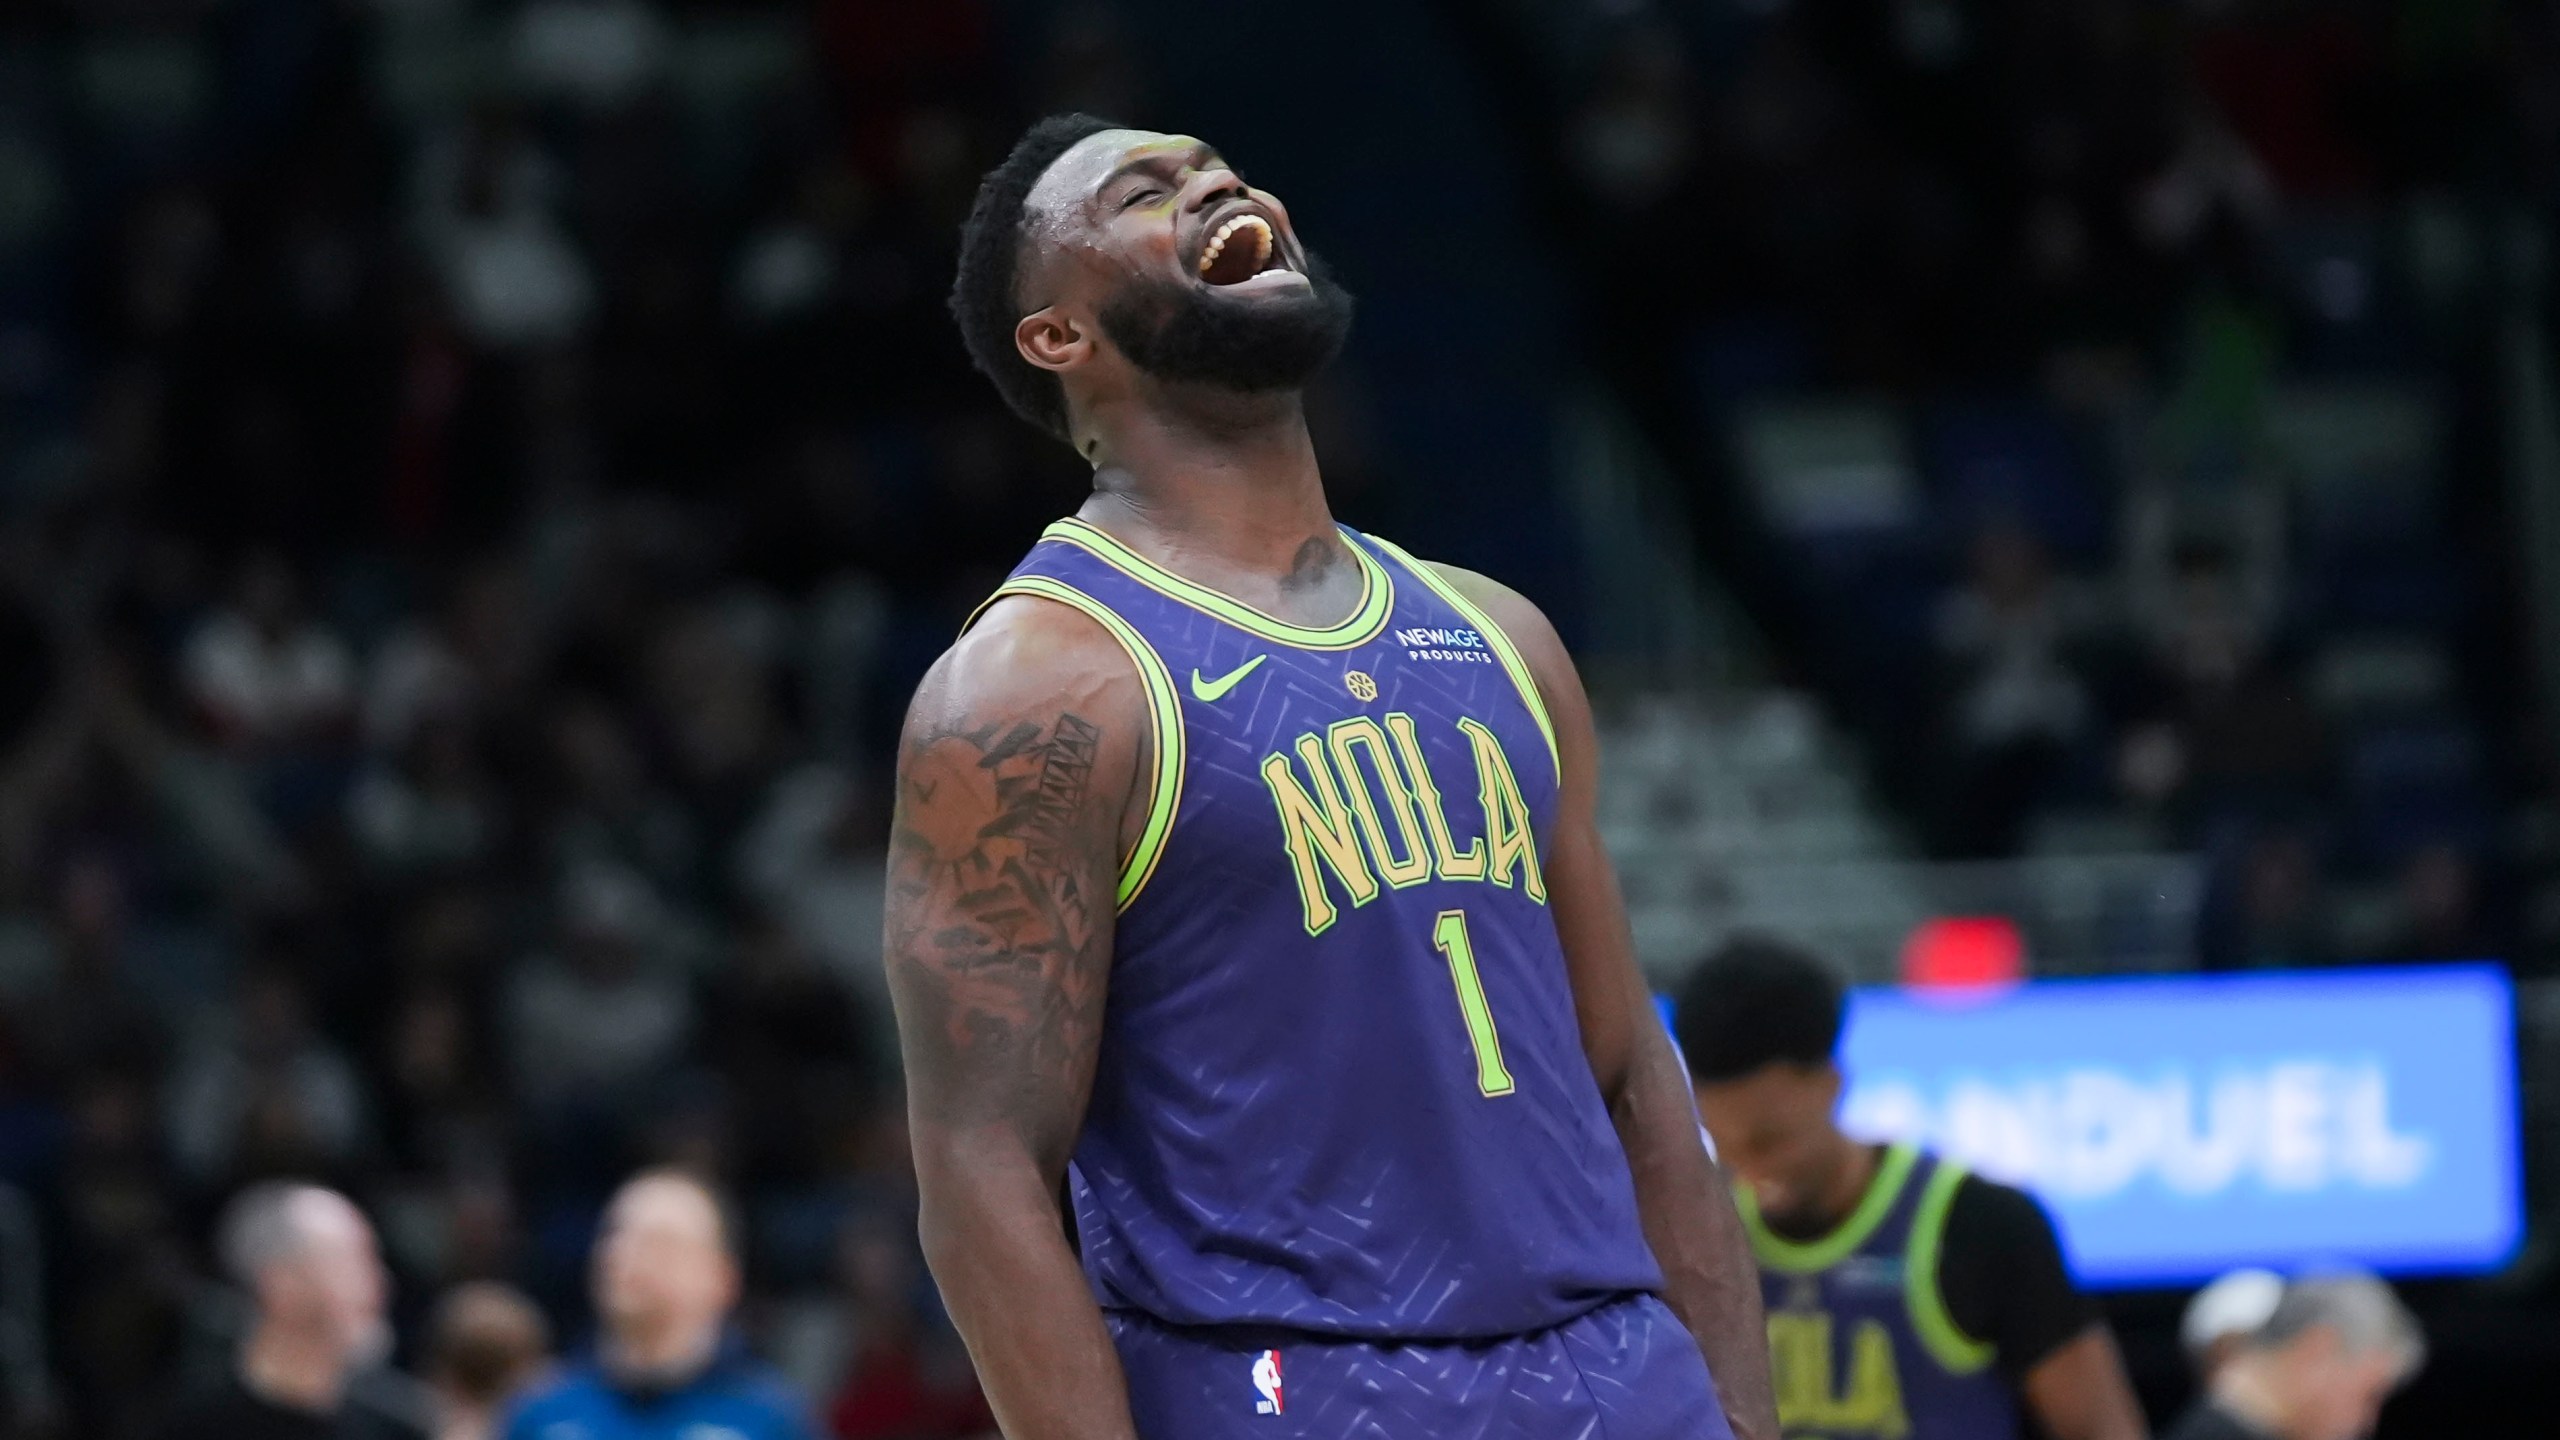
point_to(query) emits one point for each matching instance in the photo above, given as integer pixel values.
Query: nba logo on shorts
(1266, 1378)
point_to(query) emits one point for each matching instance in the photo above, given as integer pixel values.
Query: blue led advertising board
(2179, 1126)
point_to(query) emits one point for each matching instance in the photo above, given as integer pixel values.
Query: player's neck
(287, 1367)
(1237, 481)
(2247, 1391)
(661, 1354)
(1852, 1172)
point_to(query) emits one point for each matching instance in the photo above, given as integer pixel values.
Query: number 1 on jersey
(1449, 933)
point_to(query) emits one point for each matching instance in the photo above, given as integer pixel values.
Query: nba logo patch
(1266, 1378)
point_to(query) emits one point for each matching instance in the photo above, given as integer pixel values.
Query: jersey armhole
(1503, 649)
(1955, 1351)
(1164, 718)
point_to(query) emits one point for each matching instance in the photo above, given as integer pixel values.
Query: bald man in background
(2331, 1352)
(666, 1277)
(306, 1257)
(2222, 1317)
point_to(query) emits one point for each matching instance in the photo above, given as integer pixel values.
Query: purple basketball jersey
(1860, 1343)
(1341, 1088)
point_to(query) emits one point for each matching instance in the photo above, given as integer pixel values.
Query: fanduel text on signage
(2177, 1126)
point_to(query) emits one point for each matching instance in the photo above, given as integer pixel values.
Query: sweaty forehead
(1072, 178)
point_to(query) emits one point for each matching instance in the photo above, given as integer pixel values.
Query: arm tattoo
(998, 911)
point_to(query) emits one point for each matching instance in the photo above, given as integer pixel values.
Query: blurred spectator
(485, 1344)
(597, 52)
(84, 1007)
(264, 671)
(711, 686)
(2320, 1368)
(2222, 1318)
(469, 657)
(117, 1243)
(264, 1092)
(118, 776)
(2221, 714)
(591, 1024)
(441, 1096)
(814, 858)
(306, 1258)
(666, 1278)
(1635, 135)
(431, 807)
(2012, 641)
(2269, 911)
(792, 268)
(612, 811)
(2208, 179)
(797, 1049)
(512, 273)
(2437, 895)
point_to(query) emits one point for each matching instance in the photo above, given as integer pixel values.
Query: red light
(1964, 952)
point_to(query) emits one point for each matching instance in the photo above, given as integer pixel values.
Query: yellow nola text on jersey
(1359, 801)
(1809, 1399)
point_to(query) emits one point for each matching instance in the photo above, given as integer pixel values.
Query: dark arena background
(2048, 494)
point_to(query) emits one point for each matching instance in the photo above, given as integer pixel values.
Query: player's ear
(1052, 339)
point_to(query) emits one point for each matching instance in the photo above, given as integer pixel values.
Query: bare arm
(1013, 778)
(1709, 1277)
(2079, 1392)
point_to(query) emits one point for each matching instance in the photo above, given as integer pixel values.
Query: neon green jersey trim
(1377, 596)
(1503, 649)
(1955, 1351)
(1164, 708)
(1776, 1252)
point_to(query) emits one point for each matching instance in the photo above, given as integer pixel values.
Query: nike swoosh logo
(1212, 689)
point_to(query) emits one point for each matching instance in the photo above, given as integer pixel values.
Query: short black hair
(1756, 1002)
(983, 299)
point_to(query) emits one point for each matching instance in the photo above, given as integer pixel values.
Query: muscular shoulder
(1030, 673)
(1523, 621)
(1013, 810)
(1529, 630)
(1029, 652)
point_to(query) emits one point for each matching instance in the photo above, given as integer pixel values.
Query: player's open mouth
(1244, 253)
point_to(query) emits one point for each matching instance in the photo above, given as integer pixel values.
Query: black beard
(1190, 334)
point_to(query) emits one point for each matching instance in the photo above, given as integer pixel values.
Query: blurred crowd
(477, 482)
(2123, 387)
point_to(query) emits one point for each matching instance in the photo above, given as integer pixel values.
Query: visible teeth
(1218, 242)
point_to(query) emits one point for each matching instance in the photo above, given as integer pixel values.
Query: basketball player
(1249, 864)
(1906, 1298)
